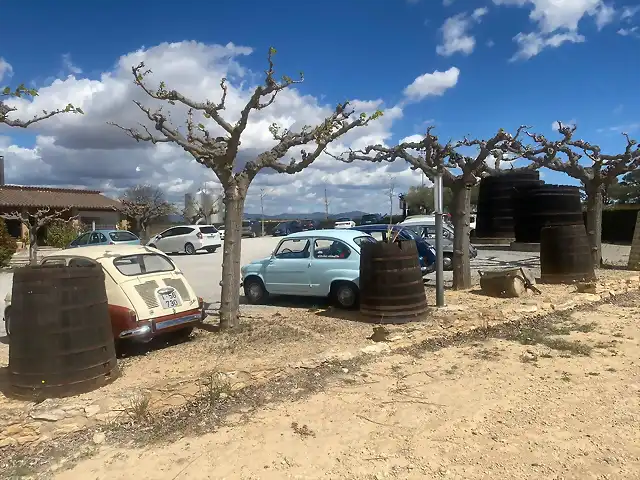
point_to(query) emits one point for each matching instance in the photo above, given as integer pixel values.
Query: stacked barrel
(495, 218)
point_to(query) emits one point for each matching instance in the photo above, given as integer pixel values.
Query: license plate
(169, 299)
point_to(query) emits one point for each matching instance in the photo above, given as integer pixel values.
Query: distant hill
(357, 214)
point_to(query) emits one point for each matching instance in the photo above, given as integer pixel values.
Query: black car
(287, 228)
(309, 224)
(370, 219)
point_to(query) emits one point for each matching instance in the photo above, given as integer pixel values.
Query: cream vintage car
(147, 294)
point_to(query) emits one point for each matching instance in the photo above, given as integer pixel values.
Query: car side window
(82, 239)
(103, 239)
(325, 248)
(293, 248)
(168, 233)
(94, 239)
(183, 230)
(379, 236)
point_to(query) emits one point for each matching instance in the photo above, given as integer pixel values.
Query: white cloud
(531, 44)
(557, 22)
(82, 150)
(629, 32)
(628, 13)
(435, 83)
(5, 69)
(455, 33)
(69, 66)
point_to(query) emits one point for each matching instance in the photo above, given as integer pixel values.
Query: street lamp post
(439, 212)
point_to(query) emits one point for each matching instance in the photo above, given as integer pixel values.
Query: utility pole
(439, 211)
(392, 187)
(263, 193)
(326, 205)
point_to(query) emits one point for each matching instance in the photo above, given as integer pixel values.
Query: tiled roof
(13, 196)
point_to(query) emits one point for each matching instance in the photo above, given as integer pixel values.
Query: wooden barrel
(495, 218)
(391, 285)
(545, 205)
(61, 337)
(565, 254)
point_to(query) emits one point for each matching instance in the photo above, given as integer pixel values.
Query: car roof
(346, 234)
(379, 226)
(96, 252)
(108, 230)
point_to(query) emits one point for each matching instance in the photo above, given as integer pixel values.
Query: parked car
(147, 294)
(249, 228)
(371, 219)
(287, 228)
(427, 229)
(344, 223)
(220, 229)
(426, 252)
(105, 237)
(309, 225)
(317, 263)
(187, 238)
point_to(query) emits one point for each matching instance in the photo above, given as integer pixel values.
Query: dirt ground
(413, 414)
(555, 400)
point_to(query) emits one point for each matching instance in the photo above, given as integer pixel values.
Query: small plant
(303, 431)
(138, 408)
(215, 388)
(7, 244)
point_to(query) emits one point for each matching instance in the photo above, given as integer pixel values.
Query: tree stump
(511, 282)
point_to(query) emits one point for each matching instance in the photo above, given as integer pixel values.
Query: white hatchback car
(187, 238)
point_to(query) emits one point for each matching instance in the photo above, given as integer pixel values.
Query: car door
(164, 242)
(331, 259)
(181, 237)
(287, 271)
(82, 240)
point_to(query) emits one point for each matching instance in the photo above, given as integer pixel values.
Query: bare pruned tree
(22, 91)
(144, 204)
(432, 157)
(34, 222)
(596, 174)
(216, 145)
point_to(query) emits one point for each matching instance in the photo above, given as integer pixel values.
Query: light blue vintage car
(316, 263)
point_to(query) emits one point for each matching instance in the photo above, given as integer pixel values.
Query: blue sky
(372, 49)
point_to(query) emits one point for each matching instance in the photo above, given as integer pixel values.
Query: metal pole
(438, 204)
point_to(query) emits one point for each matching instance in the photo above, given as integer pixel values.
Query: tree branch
(23, 91)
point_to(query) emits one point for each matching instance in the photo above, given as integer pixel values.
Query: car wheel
(212, 249)
(447, 261)
(254, 291)
(7, 320)
(346, 295)
(253, 234)
(189, 249)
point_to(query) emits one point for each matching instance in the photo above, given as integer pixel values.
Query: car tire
(447, 261)
(345, 295)
(212, 249)
(254, 291)
(253, 234)
(189, 249)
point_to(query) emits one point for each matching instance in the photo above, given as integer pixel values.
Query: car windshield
(281, 225)
(369, 217)
(122, 236)
(360, 240)
(408, 232)
(208, 230)
(143, 264)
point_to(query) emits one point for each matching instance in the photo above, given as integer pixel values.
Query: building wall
(106, 218)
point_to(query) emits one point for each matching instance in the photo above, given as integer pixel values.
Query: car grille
(147, 292)
(179, 286)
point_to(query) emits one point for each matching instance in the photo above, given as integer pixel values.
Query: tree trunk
(461, 203)
(234, 198)
(594, 222)
(33, 246)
